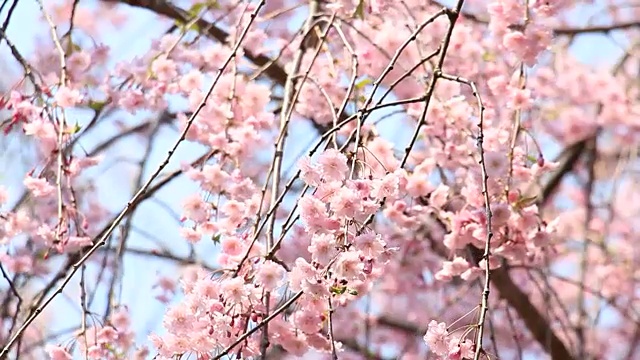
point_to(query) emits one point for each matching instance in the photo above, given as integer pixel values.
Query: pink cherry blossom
(308, 321)
(196, 209)
(39, 187)
(232, 245)
(333, 165)
(496, 164)
(437, 337)
(66, 97)
(323, 248)
(309, 172)
(270, 275)
(4, 195)
(191, 81)
(165, 69)
(58, 353)
(349, 265)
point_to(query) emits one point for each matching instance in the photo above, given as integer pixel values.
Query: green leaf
(183, 26)
(75, 129)
(524, 202)
(489, 56)
(359, 12)
(150, 73)
(195, 9)
(216, 238)
(72, 47)
(353, 292)
(338, 290)
(532, 158)
(96, 106)
(362, 83)
(41, 254)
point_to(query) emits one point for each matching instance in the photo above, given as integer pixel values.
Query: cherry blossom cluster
(104, 342)
(343, 262)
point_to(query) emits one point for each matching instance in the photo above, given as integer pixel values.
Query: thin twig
(288, 103)
(258, 326)
(487, 203)
(61, 123)
(452, 15)
(334, 354)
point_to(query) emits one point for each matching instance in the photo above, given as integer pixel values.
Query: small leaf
(194, 11)
(524, 202)
(552, 113)
(96, 106)
(359, 12)
(75, 129)
(183, 26)
(338, 290)
(532, 158)
(353, 292)
(489, 56)
(362, 83)
(72, 47)
(216, 238)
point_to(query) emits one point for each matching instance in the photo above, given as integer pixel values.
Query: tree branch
(534, 320)
(562, 31)
(597, 29)
(271, 68)
(568, 157)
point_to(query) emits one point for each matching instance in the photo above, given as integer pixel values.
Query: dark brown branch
(568, 159)
(633, 344)
(270, 67)
(598, 29)
(401, 325)
(164, 8)
(561, 31)
(530, 315)
(517, 299)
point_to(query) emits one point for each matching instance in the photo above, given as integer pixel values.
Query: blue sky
(134, 39)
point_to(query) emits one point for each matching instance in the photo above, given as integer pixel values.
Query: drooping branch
(517, 299)
(73, 259)
(568, 159)
(598, 29)
(536, 323)
(562, 31)
(271, 68)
